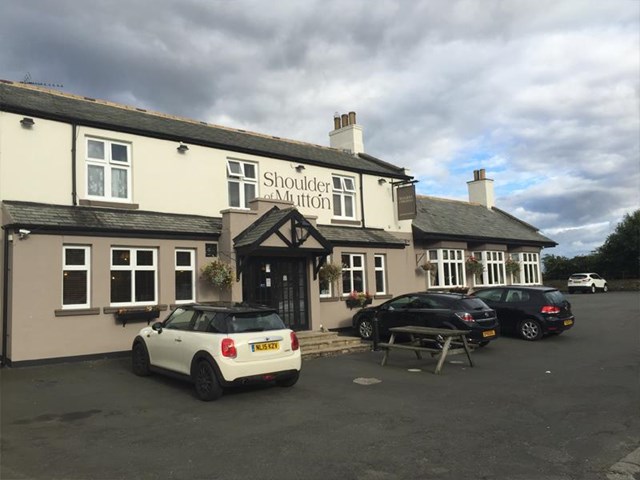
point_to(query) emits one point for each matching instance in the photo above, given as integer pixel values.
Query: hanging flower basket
(330, 273)
(473, 266)
(358, 299)
(511, 266)
(427, 266)
(218, 274)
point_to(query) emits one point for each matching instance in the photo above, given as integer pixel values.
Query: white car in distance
(586, 282)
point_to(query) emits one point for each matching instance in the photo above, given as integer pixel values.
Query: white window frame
(82, 268)
(108, 164)
(240, 178)
(442, 258)
(339, 196)
(133, 269)
(350, 270)
(382, 269)
(493, 263)
(182, 268)
(529, 268)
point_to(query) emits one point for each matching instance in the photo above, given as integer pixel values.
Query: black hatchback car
(529, 312)
(437, 310)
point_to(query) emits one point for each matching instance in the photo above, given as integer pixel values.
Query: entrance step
(320, 344)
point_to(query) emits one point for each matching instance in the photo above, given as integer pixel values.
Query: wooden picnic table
(419, 334)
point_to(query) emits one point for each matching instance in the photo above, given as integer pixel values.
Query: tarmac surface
(566, 407)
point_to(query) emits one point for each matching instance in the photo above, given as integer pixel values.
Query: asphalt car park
(561, 408)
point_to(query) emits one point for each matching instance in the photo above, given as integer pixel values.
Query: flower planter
(351, 303)
(125, 316)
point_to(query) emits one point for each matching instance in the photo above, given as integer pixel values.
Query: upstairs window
(243, 183)
(344, 197)
(108, 170)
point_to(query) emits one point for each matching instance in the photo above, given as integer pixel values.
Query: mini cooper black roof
(235, 307)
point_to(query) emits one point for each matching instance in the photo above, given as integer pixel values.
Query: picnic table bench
(416, 344)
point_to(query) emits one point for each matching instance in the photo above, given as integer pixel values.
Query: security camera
(23, 232)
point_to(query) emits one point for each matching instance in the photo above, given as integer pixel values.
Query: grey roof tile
(447, 219)
(27, 100)
(77, 218)
(361, 236)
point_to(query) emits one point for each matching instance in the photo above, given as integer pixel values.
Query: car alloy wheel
(593, 289)
(206, 383)
(530, 330)
(605, 289)
(365, 329)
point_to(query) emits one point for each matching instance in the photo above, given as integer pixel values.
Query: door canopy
(282, 232)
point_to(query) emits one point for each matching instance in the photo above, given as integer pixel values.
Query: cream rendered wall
(35, 163)
(380, 205)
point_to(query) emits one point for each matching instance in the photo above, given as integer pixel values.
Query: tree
(619, 256)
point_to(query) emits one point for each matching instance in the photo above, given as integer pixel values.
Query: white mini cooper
(219, 345)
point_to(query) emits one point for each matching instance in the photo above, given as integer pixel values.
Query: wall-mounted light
(27, 122)
(182, 148)
(381, 181)
(299, 168)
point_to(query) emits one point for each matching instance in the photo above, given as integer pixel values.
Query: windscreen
(255, 322)
(468, 304)
(554, 297)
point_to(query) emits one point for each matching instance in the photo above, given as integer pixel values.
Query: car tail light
(229, 348)
(295, 345)
(465, 317)
(550, 310)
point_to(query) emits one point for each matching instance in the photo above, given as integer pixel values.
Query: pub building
(111, 215)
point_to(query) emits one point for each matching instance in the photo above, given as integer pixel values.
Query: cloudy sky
(543, 94)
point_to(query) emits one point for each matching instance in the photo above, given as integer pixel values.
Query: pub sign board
(406, 196)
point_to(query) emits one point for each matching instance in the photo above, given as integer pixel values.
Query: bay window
(529, 273)
(450, 271)
(493, 263)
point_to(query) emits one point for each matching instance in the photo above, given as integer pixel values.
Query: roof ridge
(122, 106)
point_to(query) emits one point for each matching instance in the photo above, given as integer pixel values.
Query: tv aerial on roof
(27, 81)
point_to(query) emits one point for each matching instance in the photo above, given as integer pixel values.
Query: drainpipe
(364, 223)
(5, 299)
(74, 191)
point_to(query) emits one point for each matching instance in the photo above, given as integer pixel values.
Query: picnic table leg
(417, 352)
(443, 355)
(467, 350)
(386, 350)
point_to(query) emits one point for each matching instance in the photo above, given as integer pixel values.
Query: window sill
(335, 221)
(328, 299)
(75, 312)
(384, 296)
(102, 203)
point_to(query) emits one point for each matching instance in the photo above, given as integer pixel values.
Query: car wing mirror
(157, 326)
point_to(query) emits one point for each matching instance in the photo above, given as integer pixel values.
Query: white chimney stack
(481, 189)
(346, 134)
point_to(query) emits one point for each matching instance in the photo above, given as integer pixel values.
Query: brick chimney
(346, 134)
(481, 189)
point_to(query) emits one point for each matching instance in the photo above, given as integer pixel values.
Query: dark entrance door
(281, 283)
